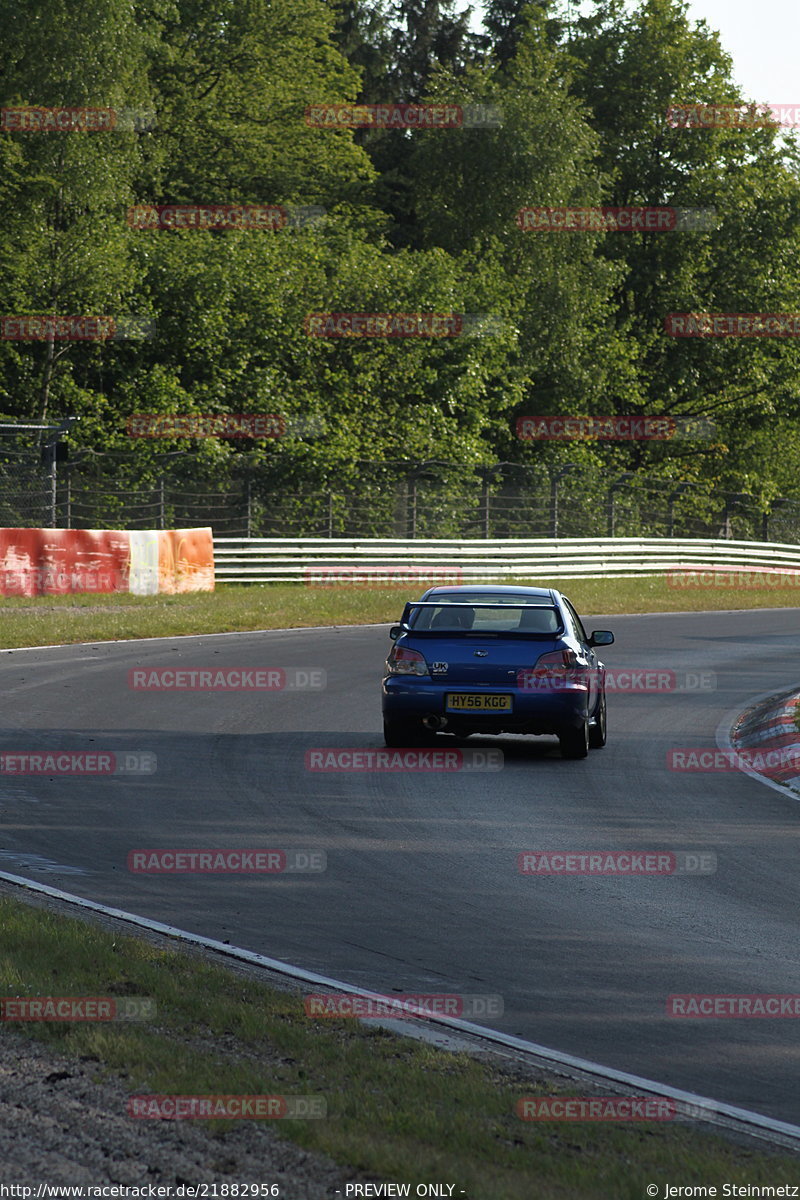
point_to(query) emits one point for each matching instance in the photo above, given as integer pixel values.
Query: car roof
(501, 589)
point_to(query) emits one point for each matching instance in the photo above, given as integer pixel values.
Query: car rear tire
(575, 742)
(598, 731)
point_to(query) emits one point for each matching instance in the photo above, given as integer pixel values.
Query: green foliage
(407, 221)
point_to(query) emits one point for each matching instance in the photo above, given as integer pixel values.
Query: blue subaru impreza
(492, 659)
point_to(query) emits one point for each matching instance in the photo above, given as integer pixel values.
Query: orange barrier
(57, 562)
(185, 560)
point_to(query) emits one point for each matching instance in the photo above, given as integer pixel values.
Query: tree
(64, 195)
(506, 21)
(634, 67)
(363, 34)
(468, 188)
(232, 80)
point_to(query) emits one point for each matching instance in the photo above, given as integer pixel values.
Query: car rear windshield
(486, 614)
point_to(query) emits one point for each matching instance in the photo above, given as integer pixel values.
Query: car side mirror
(601, 637)
(395, 631)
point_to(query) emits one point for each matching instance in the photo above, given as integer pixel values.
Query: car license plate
(476, 702)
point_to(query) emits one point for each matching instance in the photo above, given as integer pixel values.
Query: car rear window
(486, 598)
(503, 617)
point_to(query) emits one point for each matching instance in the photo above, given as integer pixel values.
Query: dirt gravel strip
(62, 1124)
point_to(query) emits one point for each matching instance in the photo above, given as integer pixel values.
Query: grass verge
(52, 620)
(397, 1109)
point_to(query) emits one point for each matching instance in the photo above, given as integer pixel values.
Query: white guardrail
(341, 560)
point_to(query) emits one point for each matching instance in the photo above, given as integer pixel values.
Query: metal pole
(162, 515)
(618, 483)
(53, 487)
(486, 506)
(249, 515)
(554, 482)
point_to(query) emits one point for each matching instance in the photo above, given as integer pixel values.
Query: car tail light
(402, 661)
(558, 659)
(555, 671)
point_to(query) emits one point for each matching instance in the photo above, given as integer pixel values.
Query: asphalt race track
(422, 892)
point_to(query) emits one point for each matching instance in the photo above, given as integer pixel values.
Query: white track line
(756, 1124)
(174, 637)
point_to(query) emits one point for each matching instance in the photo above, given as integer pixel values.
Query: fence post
(162, 513)
(554, 482)
(673, 496)
(612, 513)
(53, 489)
(69, 501)
(778, 502)
(732, 499)
(486, 502)
(249, 512)
(330, 514)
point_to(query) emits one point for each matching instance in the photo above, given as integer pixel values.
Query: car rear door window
(580, 632)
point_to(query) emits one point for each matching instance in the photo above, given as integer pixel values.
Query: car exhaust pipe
(434, 722)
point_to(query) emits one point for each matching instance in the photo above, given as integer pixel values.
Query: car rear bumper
(413, 700)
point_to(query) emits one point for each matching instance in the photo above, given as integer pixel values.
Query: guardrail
(284, 560)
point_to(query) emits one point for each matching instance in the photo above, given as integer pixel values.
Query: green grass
(397, 1109)
(53, 620)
